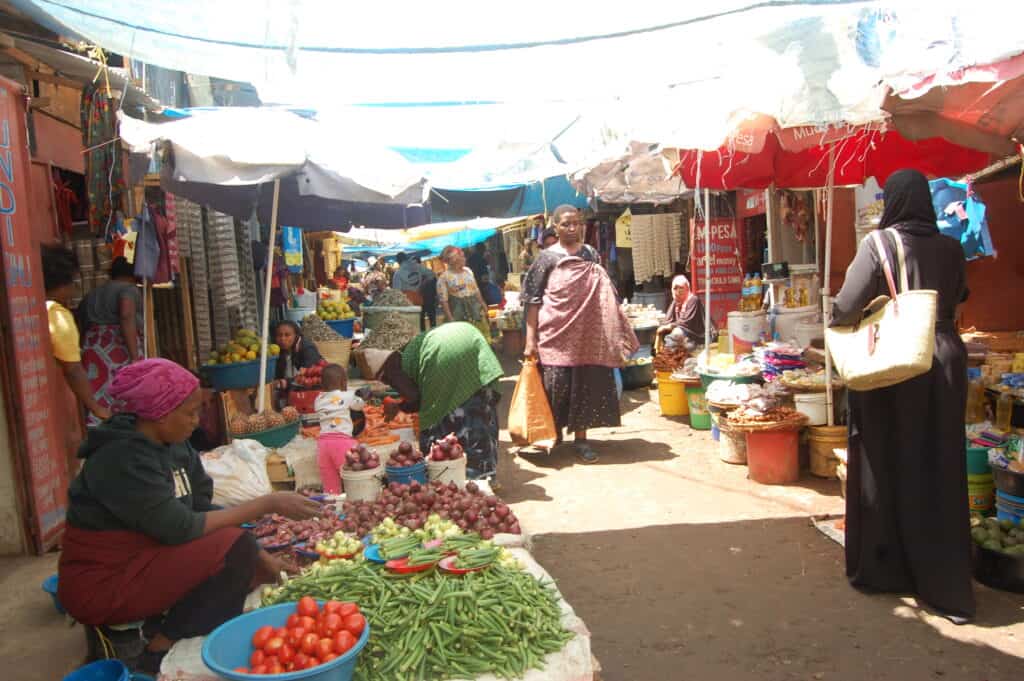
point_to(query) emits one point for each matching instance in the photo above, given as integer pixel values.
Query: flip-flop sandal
(585, 454)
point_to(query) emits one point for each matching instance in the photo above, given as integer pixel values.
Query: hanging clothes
(104, 170)
(291, 240)
(147, 246)
(65, 199)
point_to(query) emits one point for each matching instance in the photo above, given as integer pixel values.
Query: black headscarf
(908, 200)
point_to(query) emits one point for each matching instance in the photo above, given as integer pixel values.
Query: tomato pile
(312, 636)
(309, 377)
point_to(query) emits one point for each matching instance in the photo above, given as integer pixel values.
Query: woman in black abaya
(907, 518)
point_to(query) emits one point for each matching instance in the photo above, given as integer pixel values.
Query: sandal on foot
(585, 454)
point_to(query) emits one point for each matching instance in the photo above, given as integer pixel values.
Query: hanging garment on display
(291, 239)
(249, 311)
(642, 236)
(104, 176)
(189, 218)
(962, 215)
(147, 246)
(225, 288)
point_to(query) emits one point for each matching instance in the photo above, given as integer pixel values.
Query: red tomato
(324, 647)
(295, 635)
(307, 623)
(348, 609)
(260, 669)
(286, 654)
(293, 621)
(312, 662)
(332, 624)
(262, 635)
(309, 643)
(307, 607)
(332, 606)
(329, 657)
(355, 624)
(273, 646)
(343, 642)
(241, 670)
(257, 658)
(280, 632)
(300, 661)
(275, 667)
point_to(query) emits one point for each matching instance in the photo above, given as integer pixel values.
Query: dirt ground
(681, 568)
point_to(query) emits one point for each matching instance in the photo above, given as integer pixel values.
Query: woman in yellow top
(59, 269)
(458, 293)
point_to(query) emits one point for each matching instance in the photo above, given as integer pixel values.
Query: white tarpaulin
(674, 73)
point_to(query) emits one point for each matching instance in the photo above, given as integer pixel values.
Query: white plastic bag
(301, 456)
(239, 472)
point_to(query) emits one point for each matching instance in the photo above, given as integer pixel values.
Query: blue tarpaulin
(504, 201)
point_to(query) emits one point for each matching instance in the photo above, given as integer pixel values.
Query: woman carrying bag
(907, 517)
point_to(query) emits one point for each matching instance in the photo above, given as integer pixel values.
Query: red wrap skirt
(116, 577)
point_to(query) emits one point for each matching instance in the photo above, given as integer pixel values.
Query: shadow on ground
(762, 600)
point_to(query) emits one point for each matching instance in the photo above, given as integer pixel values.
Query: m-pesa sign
(725, 255)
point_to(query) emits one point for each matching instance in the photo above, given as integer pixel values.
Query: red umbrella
(799, 158)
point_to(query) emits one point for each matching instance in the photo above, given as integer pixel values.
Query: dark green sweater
(131, 483)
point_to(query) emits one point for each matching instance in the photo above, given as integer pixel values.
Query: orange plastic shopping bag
(530, 420)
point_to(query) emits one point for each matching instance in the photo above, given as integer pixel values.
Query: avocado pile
(1004, 536)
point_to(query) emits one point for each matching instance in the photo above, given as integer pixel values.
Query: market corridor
(682, 569)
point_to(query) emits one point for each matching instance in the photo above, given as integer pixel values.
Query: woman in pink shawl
(575, 327)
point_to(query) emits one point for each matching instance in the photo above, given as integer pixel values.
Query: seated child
(334, 409)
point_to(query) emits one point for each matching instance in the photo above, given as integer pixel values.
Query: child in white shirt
(334, 409)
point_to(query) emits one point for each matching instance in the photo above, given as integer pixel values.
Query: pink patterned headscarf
(152, 389)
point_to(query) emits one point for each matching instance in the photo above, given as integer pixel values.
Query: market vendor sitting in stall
(143, 541)
(296, 353)
(686, 313)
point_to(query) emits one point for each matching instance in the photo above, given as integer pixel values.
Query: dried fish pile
(391, 332)
(315, 329)
(391, 298)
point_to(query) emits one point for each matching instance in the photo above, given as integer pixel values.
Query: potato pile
(1004, 536)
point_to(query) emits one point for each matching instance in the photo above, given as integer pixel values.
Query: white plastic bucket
(745, 329)
(732, 446)
(305, 299)
(807, 331)
(785, 319)
(363, 485)
(448, 471)
(297, 314)
(813, 406)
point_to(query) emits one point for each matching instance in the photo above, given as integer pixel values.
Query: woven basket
(336, 352)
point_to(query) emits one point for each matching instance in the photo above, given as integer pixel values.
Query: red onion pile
(361, 458)
(405, 455)
(275, 530)
(410, 505)
(447, 448)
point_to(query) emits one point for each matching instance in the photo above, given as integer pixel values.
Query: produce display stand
(574, 662)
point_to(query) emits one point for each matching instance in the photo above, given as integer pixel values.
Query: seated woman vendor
(686, 312)
(143, 541)
(296, 353)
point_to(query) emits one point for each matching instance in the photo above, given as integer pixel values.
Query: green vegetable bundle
(431, 625)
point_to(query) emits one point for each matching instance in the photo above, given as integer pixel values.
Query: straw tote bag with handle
(895, 339)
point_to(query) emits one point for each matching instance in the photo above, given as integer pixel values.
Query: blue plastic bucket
(406, 474)
(344, 327)
(105, 670)
(1004, 512)
(1009, 499)
(50, 587)
(229, 647)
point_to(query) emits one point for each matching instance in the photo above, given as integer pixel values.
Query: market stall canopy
(859, 153)
(981, 107)
(644, 175)
(800, 63)
(226, 158)
(427, 240)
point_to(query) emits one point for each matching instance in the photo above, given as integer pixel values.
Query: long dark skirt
(582, 397)
(907, 527)
(475, 423)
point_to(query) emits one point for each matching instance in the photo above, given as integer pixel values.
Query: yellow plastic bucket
(672, 397)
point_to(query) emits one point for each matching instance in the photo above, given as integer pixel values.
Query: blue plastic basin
(406, 474)
(238, 374)
(50, 587)
(105, 670)
(230, 645)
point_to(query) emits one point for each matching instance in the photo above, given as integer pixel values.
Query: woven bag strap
(885, 263)
(901, 257)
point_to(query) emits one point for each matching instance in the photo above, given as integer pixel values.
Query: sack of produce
(529, 418)
(239, 472)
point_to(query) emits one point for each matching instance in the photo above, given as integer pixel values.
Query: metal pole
(826, 306)
(707, 272)
(265, 333)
